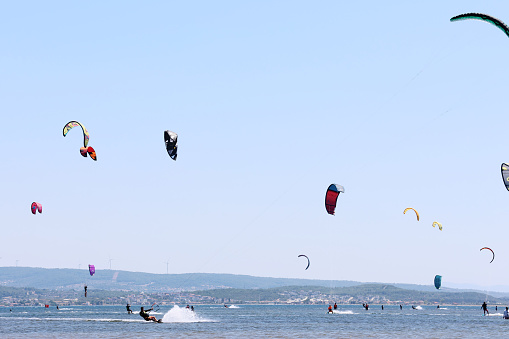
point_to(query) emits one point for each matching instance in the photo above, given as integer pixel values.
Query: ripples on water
(251, 321)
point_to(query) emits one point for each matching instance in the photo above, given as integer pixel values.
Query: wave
(183, 315)
(77, 319)
(343, 312)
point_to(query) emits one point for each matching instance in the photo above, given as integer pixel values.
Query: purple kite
(91, 269)
(36, 207)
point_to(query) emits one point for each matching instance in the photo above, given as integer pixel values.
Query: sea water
(253, 321)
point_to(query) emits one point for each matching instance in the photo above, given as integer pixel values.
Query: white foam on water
(183, 315)
(418, 308)
(79, 319)
(233, 306)
(343, 312)
(494, 315)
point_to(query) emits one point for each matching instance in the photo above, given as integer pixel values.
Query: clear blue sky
(273, 101)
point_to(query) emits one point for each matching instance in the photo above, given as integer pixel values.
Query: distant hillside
(74, 279)
(297, 295)
(371, 293)
(137, 281)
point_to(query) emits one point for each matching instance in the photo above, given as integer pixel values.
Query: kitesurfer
(144, 314)
(225, 305)
(506, 313)
(484, 307)
(128, 308)
(496, 308)
(400, 307)
(192, 308)
(86, 291)
(382, 307)
(335, 306)
(438, 306)
(187, 306)
(366, 306)
(57, 307)
(413, 307)
(330, 309)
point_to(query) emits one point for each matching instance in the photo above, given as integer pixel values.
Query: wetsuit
(145, 315)
(485, 308)
(330, 309)
(335, 306)
(128, 307)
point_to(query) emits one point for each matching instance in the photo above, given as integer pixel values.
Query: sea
(253, 321)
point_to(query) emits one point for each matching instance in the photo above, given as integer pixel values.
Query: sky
(272, 101)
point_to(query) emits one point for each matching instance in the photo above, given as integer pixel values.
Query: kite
(91, 269)
(505, 174)
(71, 124)
(483, 17)
(170, 140)
(438, 281)
(305, 256)
(90, 150)
(410, 208)
(436, 223)
(36, 207)
(331, 197)
(487, 248)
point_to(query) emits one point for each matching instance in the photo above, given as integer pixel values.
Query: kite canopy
(410, 208)
(71, 124)
(505, 174)
(483, 17)
(91, 269)
(438, 281)
(487, 248)
(36, 207)
(90, 150)
(305, 256)
(436, 223)
(331, 197)
(170, 139)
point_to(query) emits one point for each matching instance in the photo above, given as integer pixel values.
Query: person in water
(484, 307)
(329, 309)
(57, 307)
(506, 313)
(496, 308)
(413, 307)
(144, 314)
(400, 307)
(187, 306)
(86, 291)
(366, 306)
(128, 308)
(335, 306)
(192, 308)
(438, 306)
(382, 307)
(225, 305)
